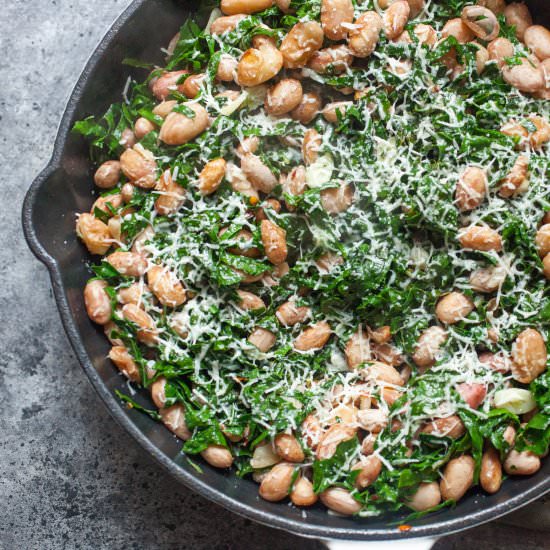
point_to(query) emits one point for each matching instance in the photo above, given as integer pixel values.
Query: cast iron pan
(65, 188)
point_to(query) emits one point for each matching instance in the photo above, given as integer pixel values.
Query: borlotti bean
(321, 246)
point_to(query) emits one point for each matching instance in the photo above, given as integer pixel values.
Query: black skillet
(64, 188)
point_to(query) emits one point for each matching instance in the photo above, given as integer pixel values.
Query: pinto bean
(127, 138)
(481, 21)
(274, 241)
(490, 476)
(258, 173)
(142, 238)
(471, 188)
(499, 49)
(372, 420)
(218, 456)
(283, 97)
(473, 394)
(496, 6)
(174, 419)
(453, 307)
(125, 363)
(395, 18)
(289, 314)
(313, 337)
(226, 24)
(171, 195)
(142, 127)
(164, 108)
(537, 39)
(294, 184)
(357, 350)
(450, 426)
(517, 14)
(276, 484)
(179, 128)
(167, 83)
(192, 85)
(381, 372)
(542, 240)
(262, 338)
(129, 264)
(362, 39)
(488, 279)
(426, 496)
(268, 204)
(340, 500)
(133, 294)
(336, 16)
(458, 477)
(166, 286)
(337, 199)
(288, 448)
(521, 463)
(234, 7)
(147, 332)
(139, 166)
(211, 176)
(480, 238)
(330, 440)
(97, 302)
(541, 135)
(302, 493)
(457, 28)
(311, 145)
(158, 392)
(529, 356)
(259, 64)
(108, 174)
(428, 346)
(526, 76)
(227, 68)
(426, 34)
(308, 108)
(546, 266)
(370, 468)
(94, 234)
(336, 59)
(302, 41)
(517, 179)
(249, 301)
(335, 109)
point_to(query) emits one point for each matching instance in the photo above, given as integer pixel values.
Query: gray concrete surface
(69, 476)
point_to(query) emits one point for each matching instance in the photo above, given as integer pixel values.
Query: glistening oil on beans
(323, 247)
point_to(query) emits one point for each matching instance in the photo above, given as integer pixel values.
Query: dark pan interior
(65, 188)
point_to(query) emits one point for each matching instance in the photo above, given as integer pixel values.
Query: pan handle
(405, 544)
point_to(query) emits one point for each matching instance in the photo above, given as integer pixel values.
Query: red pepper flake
(405, 528)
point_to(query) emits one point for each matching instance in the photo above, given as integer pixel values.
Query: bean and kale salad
(323, 240)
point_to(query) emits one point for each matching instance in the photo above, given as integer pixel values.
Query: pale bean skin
(329, 441)
(308, 108)
(289, 314)
(97, 302)
(108, 174)
(458, 477)
(123, 360)
(499, 49)
(337, 199)
(171, 195)
(537, 39)
(335, 15)
(167, 83)
(541, 135)
(283, 5)
(141, 239)
(234, 7)
(211, 176)
(471, 188)
(395, 18)
(288, 448)
(174, 419)
(158, 394)
(428, 346)
(294, 184)
(311, 145)
(336, 58)
(147, 332)
(94, 234)
(496, 6)
(453, 307)
(164, 108)
(302, 493)
(302, 41)
(450, 426)
(529, 356)
(107, 204)
(457, 28)
(382, 372)
(129, 264)
(274, 241)
(268, 204)
(313, 337)
(249, 301)
(542, 240)
(364, 36)
(481, 21)
(340, 500)
(488, 279)
(139, 166)
(262, 338)
(259, 64)
(259, 175)
(133, 294)
(127, 192)
(426, 496)
(166, 286)
(218, 456)
(426, 34)
(517, 180)
(331, 110)
(109, 329)
(115, 228)
(370, 469)
(518, 15)
(283, 97)
(522, 463)
(179, 129)
(127, 138)
(226, 24)
(276, 484)
(490, 475)
(480, 238)
(472, 393)
(416, 6)
(372, 420)
(525, 77)
(227, 68)
(192, 85)
(357, 350)
(142, 127)
(546, 266)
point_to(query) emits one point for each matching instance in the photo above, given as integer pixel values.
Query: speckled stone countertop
(69, 476)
